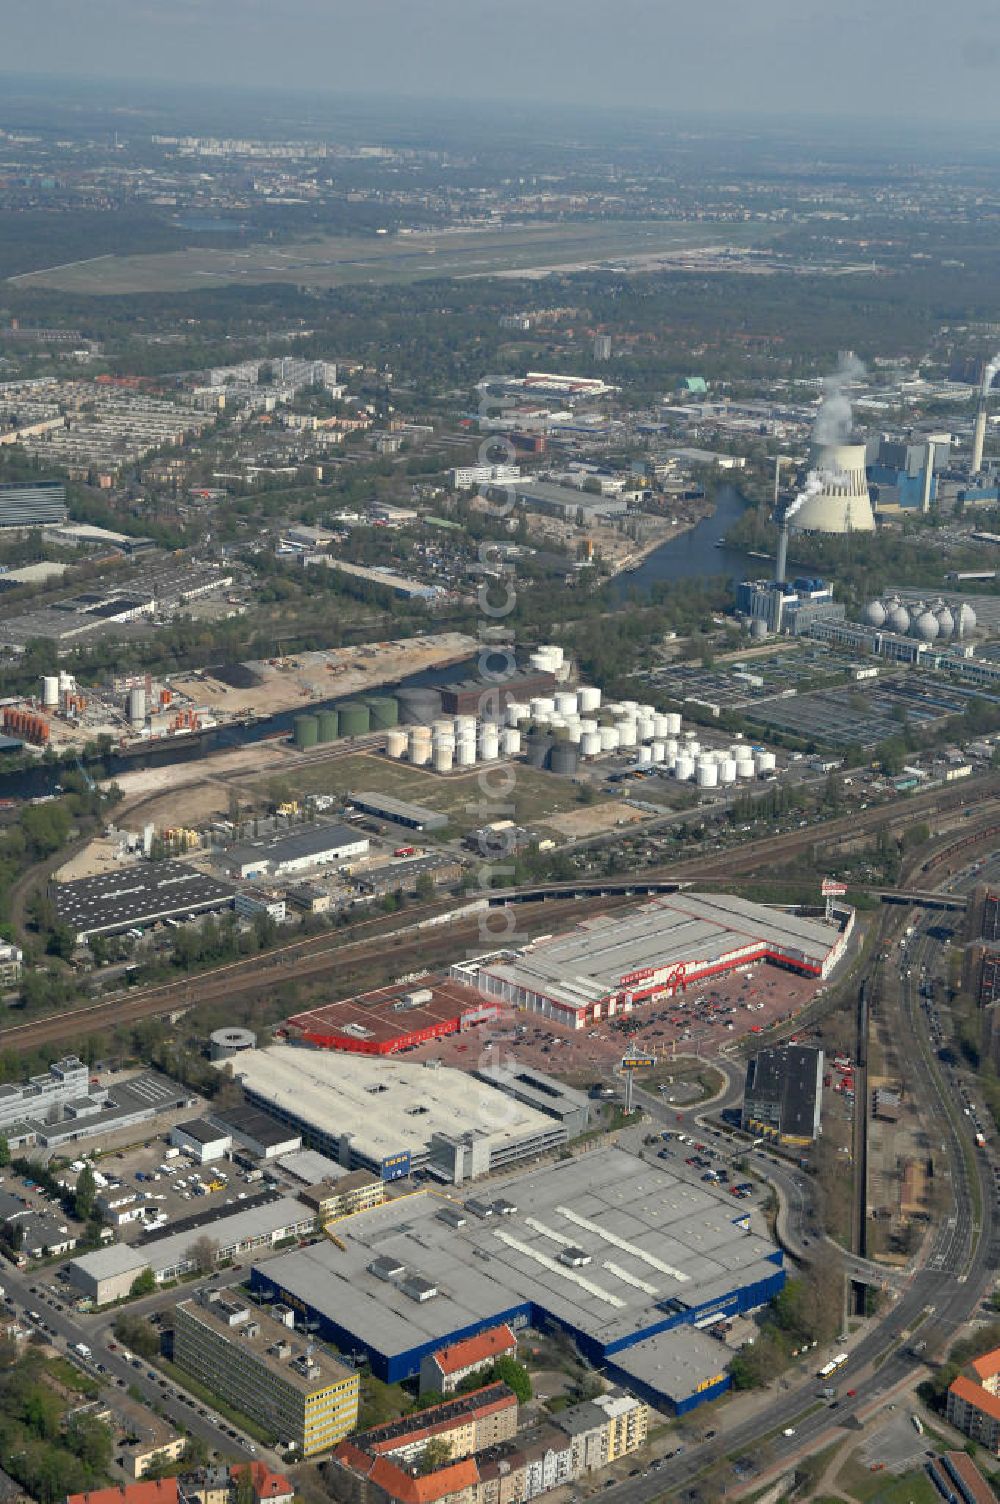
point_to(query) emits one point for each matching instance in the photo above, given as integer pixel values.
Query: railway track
(328, 954)
(409, 949)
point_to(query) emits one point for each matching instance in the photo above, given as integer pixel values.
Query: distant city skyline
(893, 60)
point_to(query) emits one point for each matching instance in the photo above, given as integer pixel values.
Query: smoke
(812, 487)
(992, 367)
(834, 419)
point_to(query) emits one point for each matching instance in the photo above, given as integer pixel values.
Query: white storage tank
(50, 691)
(631, 707)
(465, 752)
(465, 725)
(692, 748)
(444, 757)
(727, 770)
(510, 742)
(684, 768)
(644, 728)
(644, 757)
(658, 752)
(517, 712)
(137, 706)
(590, 698)
(588, 723)
(671, 746)
(708, 774)
(661, 726)
(542, 705)
(443, 726)
(673, 723)
(420, 754)
(574, 730)
(567, 702)
(765, 762)
(744, 767)
(395, 742)
(610, 740)
(627, 736)
(590, 744)
(489, 743)
(67, 682)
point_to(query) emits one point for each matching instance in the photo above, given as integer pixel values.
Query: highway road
(64, 1328)
(938, 1296)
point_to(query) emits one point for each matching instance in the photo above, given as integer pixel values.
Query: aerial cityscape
(499, 758)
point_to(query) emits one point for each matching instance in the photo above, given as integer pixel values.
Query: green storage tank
(384, 712)
(306, 731)
(329, 725)
(354, 718)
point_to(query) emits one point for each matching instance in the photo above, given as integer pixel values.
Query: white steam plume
(812, 487)
(991, 368)
(834, 419)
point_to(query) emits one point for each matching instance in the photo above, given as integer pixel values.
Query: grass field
(534, 797)
(336, 261)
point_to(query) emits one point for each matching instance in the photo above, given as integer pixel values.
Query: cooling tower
(840, 503)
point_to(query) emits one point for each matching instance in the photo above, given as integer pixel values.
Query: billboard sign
(638, 1061)
(830, 888)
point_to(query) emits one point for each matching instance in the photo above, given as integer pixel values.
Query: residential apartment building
(974, 1401)
(445, 1369)
(251, 1361)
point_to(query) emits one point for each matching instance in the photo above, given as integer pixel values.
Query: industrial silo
(644, 757)
(396, 743)
(658, 752)
(355, 719)
(50, 691)
(590, 744)
(673, 723)
(510, 742)
(627, 733)
(305, 731)
(646, 728)
(418, 706)
(765, 762)
(538, 747)
(516, 712)
(329, 725)
(489, 742)
(136, 705)
(563, 759)
(383, 711)
(567, 702)
(444, 757)
(465, 751)
(707, 774)
(590, 699)
(875, 614)
(727, 770)
(966, 621)
(684, 768)
(610, 740)
(745, 766)
(420, 745)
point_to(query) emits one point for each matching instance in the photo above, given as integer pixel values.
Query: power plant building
(626, 1257)
(607, 966)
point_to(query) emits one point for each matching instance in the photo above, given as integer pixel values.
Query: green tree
(144, 1283)
(435, 1454)
(515, 1376)
(4, 1151)
(83, 1196)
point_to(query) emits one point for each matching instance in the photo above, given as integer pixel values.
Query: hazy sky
(899, 58)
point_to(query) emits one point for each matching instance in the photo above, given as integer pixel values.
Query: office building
(355, 1191)
(974, 1401)
(253, 1362)
(783, 1095)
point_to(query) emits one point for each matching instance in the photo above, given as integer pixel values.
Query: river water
(692, 555)
(695, 554)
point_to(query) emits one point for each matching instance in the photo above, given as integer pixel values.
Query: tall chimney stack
(782, 560)
(925, 499)
(979, 436)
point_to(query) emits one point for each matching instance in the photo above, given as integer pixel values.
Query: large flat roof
(587, 963)
(387, 1106)
(651, 1238)
(136, 895)
(384, 1018)
(310, 841)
